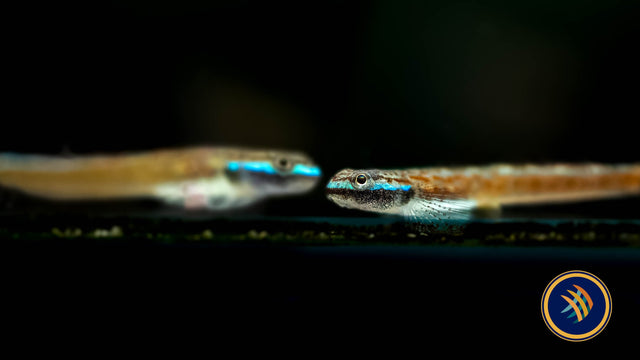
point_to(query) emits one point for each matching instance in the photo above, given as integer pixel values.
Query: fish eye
(283, 164)
(361, 179)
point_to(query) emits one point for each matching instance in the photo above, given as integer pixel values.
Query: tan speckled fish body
(196, 176)
(451, 192)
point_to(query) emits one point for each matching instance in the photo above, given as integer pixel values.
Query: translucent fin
(439, 215)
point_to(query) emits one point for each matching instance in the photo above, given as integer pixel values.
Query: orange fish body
(450, 193)
(173, 175)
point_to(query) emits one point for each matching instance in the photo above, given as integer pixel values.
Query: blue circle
(564, 315)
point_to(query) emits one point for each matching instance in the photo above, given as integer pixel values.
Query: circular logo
(576, 305)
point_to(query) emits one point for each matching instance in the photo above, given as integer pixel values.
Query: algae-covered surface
(319, 231)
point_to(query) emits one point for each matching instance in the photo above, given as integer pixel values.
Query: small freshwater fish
(196, 178)
(440, 193)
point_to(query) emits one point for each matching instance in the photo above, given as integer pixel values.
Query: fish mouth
(337, 196)
(331, 196)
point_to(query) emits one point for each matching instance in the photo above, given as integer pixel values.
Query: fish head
(370, 190)
(272, 173)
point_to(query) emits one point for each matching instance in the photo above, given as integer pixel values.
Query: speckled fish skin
(451, 192)
(196, 177)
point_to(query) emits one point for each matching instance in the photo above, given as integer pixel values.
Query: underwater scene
(423, 175)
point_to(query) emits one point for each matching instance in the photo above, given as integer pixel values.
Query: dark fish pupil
(361, 179)
(284, 162)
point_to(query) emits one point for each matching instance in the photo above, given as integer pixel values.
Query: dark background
(354, 84)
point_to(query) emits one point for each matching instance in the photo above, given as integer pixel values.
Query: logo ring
(586, 335)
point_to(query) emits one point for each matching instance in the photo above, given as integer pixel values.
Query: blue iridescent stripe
(381, 186)
(387, 186)
(339, 185)
(267, 168)
(264, 167)
(300, 169)
(233, 166)
(255, 166)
